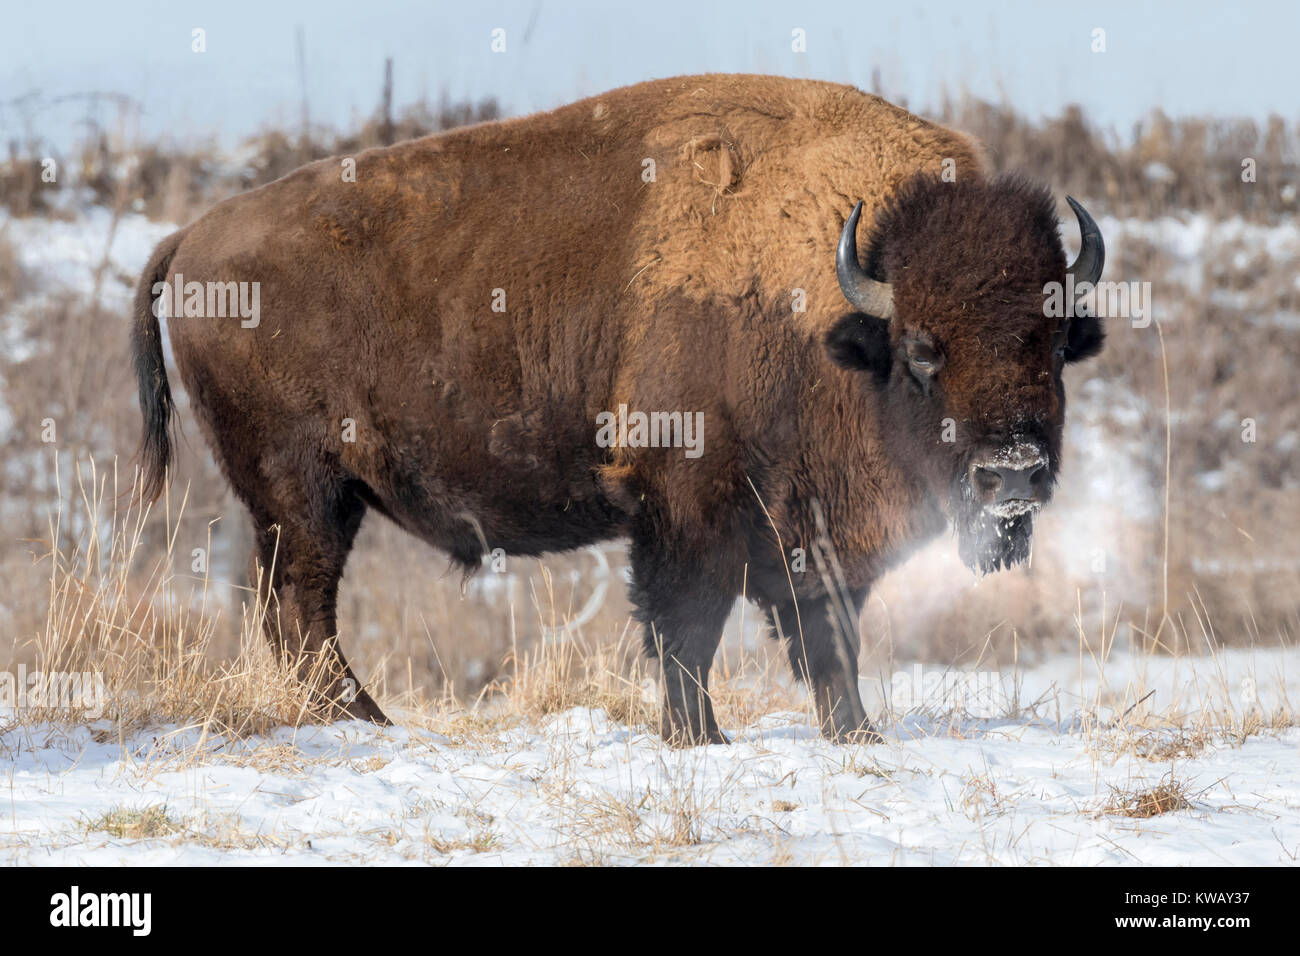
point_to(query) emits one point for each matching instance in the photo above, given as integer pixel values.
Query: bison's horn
(1092, 251)
(863, 292)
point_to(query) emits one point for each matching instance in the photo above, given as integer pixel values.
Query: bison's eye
(1060, 338)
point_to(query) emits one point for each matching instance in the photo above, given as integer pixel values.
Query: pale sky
(1196, 57)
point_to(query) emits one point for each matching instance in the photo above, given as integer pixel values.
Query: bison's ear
(1085, 339)
(860, 343)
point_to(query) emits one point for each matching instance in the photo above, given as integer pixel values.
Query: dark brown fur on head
(968, 262)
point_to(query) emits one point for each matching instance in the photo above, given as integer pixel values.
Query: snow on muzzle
(1013, 480)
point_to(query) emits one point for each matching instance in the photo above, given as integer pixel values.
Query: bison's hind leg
(305, 520)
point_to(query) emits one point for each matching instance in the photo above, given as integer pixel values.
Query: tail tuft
(156, 404)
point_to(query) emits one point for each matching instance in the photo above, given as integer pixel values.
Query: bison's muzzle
(1012, 482)
(997, 497)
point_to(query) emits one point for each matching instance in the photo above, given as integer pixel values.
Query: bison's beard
(989, 543)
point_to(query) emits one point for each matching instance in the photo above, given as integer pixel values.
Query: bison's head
(954, 324)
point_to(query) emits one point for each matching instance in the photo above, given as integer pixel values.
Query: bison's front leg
(821, 638)
(682, 607)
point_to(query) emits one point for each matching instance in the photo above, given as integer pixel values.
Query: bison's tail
(155, 453)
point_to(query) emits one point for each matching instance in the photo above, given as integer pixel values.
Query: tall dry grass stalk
(143, 624)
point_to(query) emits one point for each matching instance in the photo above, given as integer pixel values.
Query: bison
(448, 326)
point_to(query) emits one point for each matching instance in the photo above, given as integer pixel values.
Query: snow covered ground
(578, 787)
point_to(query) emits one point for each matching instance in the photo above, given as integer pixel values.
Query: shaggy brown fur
(476, 428)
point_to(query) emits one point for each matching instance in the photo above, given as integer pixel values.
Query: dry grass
(1162, 163)
(156, 822)
(136, 823)
(1168, 796)
(479, 842)
(1189, 163)
(171, 654)
(177, 184)
(561, 674)
(116, 609)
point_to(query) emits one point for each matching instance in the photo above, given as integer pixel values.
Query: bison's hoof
(863, 735)
(369, 711)
(348, 707)
(682, 740)
(848, 725)
(678, 733)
